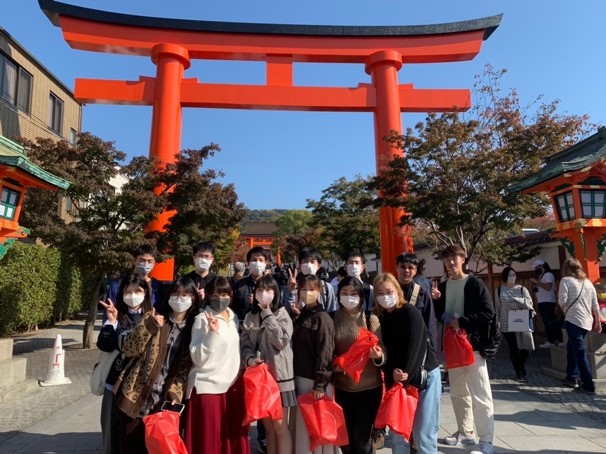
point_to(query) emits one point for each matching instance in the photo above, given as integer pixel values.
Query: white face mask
(354, 270)
(265, 297)
(349, 302)
(256, 268)
(179, 303)
(133, 299)
(309, 268)
(511, 279)
(387, 301)
(202, 264)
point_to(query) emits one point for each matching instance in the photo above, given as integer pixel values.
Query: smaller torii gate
(172, 43)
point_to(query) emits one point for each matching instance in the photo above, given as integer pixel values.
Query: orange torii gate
(172, 43)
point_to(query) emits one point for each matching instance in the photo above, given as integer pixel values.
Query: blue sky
(279, 159)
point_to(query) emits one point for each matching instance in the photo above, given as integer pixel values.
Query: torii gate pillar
(383, 67)
(165, 142)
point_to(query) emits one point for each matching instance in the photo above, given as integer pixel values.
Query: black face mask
(538, 271)
(219, 303)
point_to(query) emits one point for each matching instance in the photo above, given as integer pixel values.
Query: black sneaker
(521, 377)
(262, 447)
(584, 391)
(377, 439)
(571, 383)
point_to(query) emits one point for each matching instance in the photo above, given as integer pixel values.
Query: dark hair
(342, 271)
(218, 285)
(310, 253)
(505, 273)
(257, 250)
(267, 283)
(408, 258)
(421, 267)
(145, 249)
(122, 307)
(546, 267)
(303, 279)
(355, 254)
(453, 250)
(187, 285)
(357, 285)
(203, 246)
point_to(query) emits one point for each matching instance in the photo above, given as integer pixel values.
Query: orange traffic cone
(56, 366)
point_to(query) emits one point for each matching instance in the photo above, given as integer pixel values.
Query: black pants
(517, 356)
(553, 330)
(132, 434)
(360, 410)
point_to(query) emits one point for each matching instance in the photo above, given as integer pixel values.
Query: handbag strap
(425, 356)
(576, 299)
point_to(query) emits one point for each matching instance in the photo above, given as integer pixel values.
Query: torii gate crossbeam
(172, 43)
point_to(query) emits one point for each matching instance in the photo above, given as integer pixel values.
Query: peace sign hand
(292, 279)
(213, 323)
(110, 310)
(435, 293)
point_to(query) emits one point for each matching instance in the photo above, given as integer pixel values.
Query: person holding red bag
(409, 354)
(266, 335)
(360, 401)
(463, 301)
(313, 344)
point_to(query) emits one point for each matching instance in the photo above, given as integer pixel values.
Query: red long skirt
(213, 422)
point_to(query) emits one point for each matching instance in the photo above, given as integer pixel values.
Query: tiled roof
(12, 154)
(583, 154)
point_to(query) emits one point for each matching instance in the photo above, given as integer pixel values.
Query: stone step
(8, 393)
(6, 349)
(12, 371)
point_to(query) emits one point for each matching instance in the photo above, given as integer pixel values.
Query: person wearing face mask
(309, 263)
(406, 342)
(143, 260)
(134, 300)
(158, 346)
(355, 265)
(266, 335)
(545, 284)
(510, 296)
(360, 401)
(203, 256)
(215, 392)
(313, 344)
(244, 290)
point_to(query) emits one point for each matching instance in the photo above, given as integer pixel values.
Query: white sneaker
(459, 438)
(546, 344)
(483, 448)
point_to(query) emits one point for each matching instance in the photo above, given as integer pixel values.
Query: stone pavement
(537, 417)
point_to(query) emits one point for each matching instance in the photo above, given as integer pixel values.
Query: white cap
(538, 262)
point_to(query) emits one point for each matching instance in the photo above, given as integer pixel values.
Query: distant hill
(263, 215)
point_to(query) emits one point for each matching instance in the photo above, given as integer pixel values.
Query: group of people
(572, 306)
(191, 343)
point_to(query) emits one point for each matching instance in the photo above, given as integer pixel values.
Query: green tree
(454, 179)
(107, 224)
(347, 217)
(295, 230)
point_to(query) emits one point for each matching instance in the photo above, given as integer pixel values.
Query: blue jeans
(577, 363)
(427, 419)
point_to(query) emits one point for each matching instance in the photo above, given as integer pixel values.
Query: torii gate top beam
(102, 31)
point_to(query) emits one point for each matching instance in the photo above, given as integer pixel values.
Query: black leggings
(553, 330)
(518, 357)
(360, 409)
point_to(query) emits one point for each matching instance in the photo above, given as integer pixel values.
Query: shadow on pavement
(71, 442)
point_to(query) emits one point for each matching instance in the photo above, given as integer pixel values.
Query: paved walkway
(537, 417)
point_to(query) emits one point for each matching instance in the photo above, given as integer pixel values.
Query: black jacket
(478, 311)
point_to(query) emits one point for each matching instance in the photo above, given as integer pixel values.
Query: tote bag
(519, 321)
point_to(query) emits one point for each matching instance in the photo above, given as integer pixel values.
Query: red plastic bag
(162, 433)
(262, 395)
(398, 409)
(324, 420)
(354, 360)
(457, 349)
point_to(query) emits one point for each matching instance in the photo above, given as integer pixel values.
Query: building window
(73, 136)
(594, 204)
(15, 84)
(8, 203)
(565, 206)
(55, 117)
